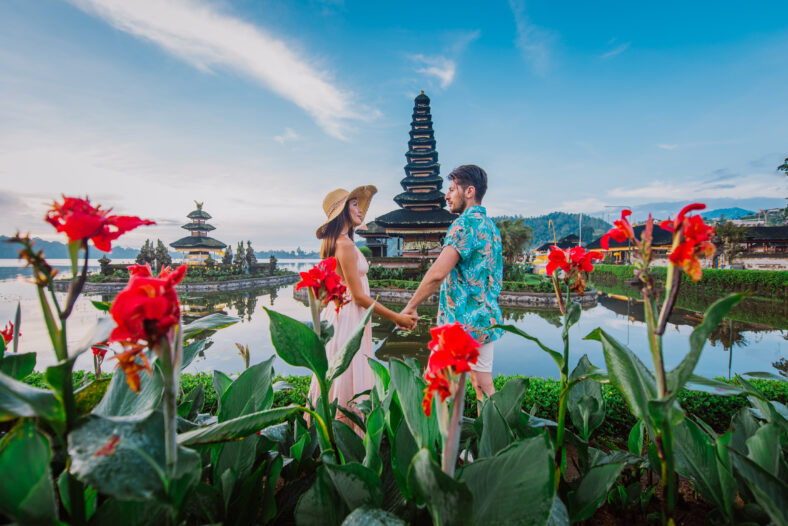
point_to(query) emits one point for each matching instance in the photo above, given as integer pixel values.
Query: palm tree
(515, 235)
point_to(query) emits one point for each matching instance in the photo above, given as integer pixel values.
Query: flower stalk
(452, 443)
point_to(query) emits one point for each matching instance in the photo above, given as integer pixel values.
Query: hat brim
(362, 193)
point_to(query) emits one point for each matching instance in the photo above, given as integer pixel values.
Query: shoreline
(205, 286)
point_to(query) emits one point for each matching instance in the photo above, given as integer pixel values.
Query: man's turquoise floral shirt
(469, 294)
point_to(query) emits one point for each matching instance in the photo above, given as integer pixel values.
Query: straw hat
(335, 201)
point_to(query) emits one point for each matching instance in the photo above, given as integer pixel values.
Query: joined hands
(407, 319)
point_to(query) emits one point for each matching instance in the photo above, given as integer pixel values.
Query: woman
(344, 212)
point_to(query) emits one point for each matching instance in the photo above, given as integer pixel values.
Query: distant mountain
(58, 250)
(287, 254)
(565, 224)
(727, 213)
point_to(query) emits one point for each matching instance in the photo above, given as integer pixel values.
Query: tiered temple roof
(422, 204)
(198, 245)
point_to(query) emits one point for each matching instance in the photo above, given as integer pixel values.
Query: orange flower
(436, 383)
(693, 237)
(80, 220)
(127, 361)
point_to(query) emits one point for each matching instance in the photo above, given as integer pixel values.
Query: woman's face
(356, 215)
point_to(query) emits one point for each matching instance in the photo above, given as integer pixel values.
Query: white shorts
(485, 361)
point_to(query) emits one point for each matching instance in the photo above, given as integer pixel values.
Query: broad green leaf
(665, 412)
(403, 449)
(556, 356)
(410, 390)
(196, 400)
(381, 376)
(103, 306)
(711, 318)
(628, 374)
(516, 486)
(509, 400)
(358, 486)
(190, 352)
(764, 448)
(708, 385)
(571, 317)
(210, 322)
(592, 490)
(697, 459)
(18, 366)
(131, 513)
(743, 425)
(496, 433)
(121, 456)
(636, 438)
(769, 491)
(17, 327)
(250, 393)
(89, 494)
(586, 405)
(559, 515)
(376, 424)
(28, 493)
(449, 501)
(319, 504)
(17, 399)
(365, 516)
(767, 376)
(269, 491)
(586, 370)
(297, 344)
(341, 360)
(221, 382)
(236, 428)
(349, 443)
(88, 396)
(120, 400)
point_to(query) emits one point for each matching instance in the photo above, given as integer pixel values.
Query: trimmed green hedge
(771, 284)
(715, 410)
(532, 285)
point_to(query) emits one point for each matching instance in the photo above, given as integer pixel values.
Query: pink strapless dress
(358, 377)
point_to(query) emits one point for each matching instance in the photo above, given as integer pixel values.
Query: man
(469, 271)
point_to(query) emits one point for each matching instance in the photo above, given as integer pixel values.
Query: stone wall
(208, 286)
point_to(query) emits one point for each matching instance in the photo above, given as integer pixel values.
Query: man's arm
(447, 260)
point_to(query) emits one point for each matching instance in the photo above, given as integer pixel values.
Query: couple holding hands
(468, 272)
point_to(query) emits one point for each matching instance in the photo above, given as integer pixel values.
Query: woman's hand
(406, 321)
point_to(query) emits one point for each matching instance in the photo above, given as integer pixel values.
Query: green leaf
(711, 318)
(509, 400)
(410, 390)
(210, 322)
(744, 425)
(17, 399)
(190, 352)
(349, 443)
(221, 382)
(341, 360)
(449, 501)
(28, 494)
(697, 459)
(131, 513)
(571, 317)
(196, 399)
(358, 486)
(592, 490)
(764, 448)
(365, 516)
(376, 424)
(17, 325)
(120, 400)
(715, 387)
(767, 376)
(517, 486)
(88, 396)
(89, 495)
(236, 428)
(403, 449)
(18, 366)
(628, 374)
(297, 344)
(103, 306)
(496, 433)
(559, 515)
(319, 504)
(769, 491)
(381, 377)
(586, 405)
(73, 254)
(636, 438)
(556, 356)
(250, 393)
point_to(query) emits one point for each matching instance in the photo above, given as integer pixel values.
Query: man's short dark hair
(470, 175)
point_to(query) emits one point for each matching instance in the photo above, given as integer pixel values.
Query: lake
(747, 342)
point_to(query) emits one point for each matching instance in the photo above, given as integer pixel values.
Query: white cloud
(616, 50)
(288, 136)
(440, 67)
(533, 41)
(586, 205)
(197, 32)
(667, 146)
(749, 186)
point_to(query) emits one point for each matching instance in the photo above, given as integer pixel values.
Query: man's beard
(461, 205)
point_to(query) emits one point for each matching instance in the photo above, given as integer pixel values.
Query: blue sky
(259, 108)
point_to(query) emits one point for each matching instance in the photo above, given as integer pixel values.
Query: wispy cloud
(440, 67)
(750, 186)
(197, 32)
(287, 136)
(533, 41)
(667, 146)
(616, 50)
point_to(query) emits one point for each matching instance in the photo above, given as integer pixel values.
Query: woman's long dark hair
(335, 228)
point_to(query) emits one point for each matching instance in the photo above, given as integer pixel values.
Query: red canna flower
(556, 259)
(80, 220)
(621, 231)
(452, 346)
(436, 383)
(575, 263)
(325, 283)
(583, 260)
(148, 307)
(693, 237)
(8, 332)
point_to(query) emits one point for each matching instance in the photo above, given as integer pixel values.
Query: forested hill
(58, 250)
(565, 224)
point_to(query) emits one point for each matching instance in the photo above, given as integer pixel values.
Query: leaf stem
(449, 461)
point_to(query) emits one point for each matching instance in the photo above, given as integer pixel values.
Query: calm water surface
(737, 346)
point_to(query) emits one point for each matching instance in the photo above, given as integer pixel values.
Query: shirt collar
(477, 209)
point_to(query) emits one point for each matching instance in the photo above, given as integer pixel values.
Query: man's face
(455, 198)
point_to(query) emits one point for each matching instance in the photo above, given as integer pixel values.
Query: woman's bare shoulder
(344, 242)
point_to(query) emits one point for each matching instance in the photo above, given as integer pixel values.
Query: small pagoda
(197, 246)
(422, 219)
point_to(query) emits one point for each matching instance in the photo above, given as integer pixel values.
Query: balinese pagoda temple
(197, 246)
(422, 219)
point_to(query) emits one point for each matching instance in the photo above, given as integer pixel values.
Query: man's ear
(470, 193)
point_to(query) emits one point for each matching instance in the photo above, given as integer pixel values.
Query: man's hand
(408, 319)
